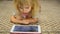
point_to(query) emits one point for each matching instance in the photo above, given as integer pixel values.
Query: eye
(27, 7)
(21, 7)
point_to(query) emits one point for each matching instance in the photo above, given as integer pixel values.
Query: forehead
(24, 5)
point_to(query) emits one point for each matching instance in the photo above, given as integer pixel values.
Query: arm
(14, 20)
(32, 20)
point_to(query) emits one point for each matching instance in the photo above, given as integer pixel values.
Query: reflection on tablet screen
(26, 28)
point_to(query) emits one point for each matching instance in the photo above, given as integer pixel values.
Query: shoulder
(18, 17)
(36, 15)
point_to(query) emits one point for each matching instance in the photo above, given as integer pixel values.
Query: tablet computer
(25, 29)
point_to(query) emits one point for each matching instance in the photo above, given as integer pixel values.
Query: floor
(49, 16)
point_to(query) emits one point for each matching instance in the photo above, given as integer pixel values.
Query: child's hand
(28, 21)
(25, 22)
(34, 20)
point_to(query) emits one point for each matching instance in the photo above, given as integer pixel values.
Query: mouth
(25, 13)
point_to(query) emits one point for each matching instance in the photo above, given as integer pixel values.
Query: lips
(25, 14)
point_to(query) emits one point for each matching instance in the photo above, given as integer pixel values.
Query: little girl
(26, 13)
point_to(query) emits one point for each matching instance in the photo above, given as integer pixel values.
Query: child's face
(25, 9)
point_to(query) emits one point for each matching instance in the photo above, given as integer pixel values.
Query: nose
(24, 10)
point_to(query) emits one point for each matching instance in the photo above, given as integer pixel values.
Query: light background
(49, 17)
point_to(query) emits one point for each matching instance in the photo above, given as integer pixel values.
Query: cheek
(21, 10)
(28, 10)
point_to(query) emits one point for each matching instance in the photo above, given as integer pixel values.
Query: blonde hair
(33, 3)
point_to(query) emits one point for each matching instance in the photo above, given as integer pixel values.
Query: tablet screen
(26, 28)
